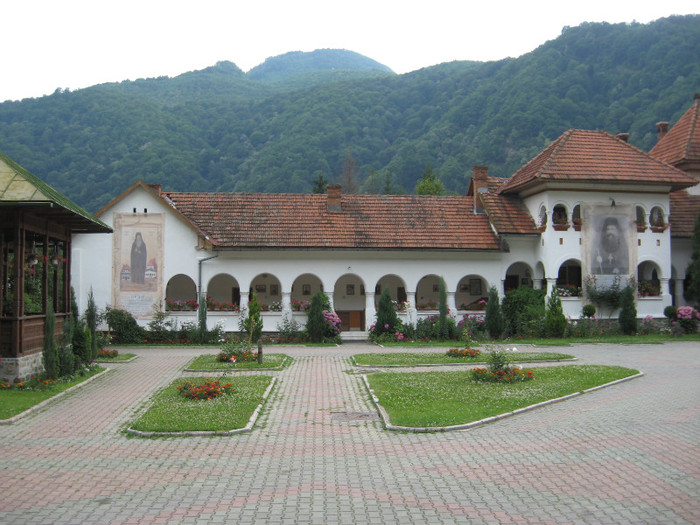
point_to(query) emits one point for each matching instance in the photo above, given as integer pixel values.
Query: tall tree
(319, 183)
(429, 184)
(349, 177)
(692, 292)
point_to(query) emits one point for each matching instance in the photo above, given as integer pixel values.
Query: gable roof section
(681, 145)
(303, 221)
(507, 213)
(588, 156)
(20, 187)
(154, 191)
(685, 209)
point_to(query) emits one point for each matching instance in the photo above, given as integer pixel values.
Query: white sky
(47, 44)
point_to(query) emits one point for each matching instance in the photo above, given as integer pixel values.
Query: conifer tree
(628, 311)
(316, 321)
(692, 292)
(554, 318)
(494, 317)
(387, 320)
(253, 324)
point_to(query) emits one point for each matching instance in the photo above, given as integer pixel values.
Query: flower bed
(463, 352)
(179, 305)
(511, 375)
(208, 389)
(33, 383)
(300, 305)
(105, 353)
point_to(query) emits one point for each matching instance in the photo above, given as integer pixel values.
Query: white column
(330, 300)
(245, 297)
(370, 309)
(287, 302)
(451, 305)
(551, 283)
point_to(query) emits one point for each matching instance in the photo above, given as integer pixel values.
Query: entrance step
(353, 335)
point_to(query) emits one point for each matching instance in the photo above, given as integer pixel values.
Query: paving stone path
(624, 454)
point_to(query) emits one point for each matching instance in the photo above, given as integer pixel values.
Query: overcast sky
(49, 44)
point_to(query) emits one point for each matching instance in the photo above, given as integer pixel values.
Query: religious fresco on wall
(609, 243)
(137, 262)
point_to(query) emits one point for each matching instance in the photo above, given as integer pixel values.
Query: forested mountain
(222, 129)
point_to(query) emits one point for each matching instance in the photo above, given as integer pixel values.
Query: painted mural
(137, 259)
(609, 238)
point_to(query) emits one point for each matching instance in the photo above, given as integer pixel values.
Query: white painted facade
(350, 277)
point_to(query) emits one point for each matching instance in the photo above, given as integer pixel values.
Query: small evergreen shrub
(628, 312)
(670, 312)
(387, 319)
(554, 319)
(494, 318)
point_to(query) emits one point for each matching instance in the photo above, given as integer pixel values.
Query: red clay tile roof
(302, 221)
(682, 142)
(507, 213)
(595, 156)
(684, 212)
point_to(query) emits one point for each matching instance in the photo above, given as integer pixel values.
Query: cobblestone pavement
(624, 454)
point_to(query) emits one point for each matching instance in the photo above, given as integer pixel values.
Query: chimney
(661, 129)
(480, 183)
(625, 137)
(334, 196)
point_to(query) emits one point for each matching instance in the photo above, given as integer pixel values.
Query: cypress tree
(50, 353)
(554, 318)
(316, 322)
(628, 312)
(494, 318)
(91, 318)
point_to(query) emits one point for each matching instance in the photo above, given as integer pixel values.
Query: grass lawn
(441, 358)
(13, 402)
(210, 362)
(564, 341)
(438, 399)
(172, 412)
(120, 357)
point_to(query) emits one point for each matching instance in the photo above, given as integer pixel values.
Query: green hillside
(222, 129)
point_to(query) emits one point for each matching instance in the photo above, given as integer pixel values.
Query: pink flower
(233, 359)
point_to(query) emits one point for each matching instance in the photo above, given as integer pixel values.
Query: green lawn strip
(210, 362)
(440, 358)
(119, 358)
(564, 341)
(443, 399)
(171, 412)
(14, 402)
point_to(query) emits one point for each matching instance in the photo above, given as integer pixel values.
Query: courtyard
(629, 453)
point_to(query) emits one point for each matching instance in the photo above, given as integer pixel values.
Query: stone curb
(249, 426)
(51, 399)
(388, 426)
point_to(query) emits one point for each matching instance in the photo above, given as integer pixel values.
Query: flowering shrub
(300, 305)
(473, 325)
(333, 323)
(33, 383)
(647, 326)
(463, 352)
(105, 353)
(178, 305)
(687, 317)
(208, 389)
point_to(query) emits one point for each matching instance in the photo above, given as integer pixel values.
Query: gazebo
(36, 226)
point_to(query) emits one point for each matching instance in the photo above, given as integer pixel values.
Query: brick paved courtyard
(625, 454)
